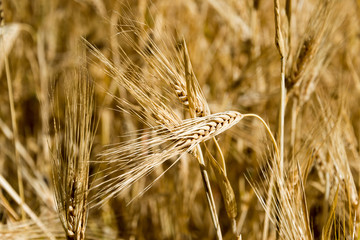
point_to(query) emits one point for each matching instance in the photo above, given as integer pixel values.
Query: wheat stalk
(12, 111)
(281, 46)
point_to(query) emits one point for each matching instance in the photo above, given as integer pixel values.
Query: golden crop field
(181, 119)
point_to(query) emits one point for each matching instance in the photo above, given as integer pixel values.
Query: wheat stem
(280, 45)
(12, 113)
(282, 116)
(198, 154)
(208, 191)
(294, 113)
(268, 206)
(267, 129)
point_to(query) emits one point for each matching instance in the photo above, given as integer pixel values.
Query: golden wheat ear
(70, 163)
(198, 107)
(127, 162)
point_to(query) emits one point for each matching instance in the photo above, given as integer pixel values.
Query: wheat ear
(71, 160)
(185, 85)
(134, 159)
(198, 106)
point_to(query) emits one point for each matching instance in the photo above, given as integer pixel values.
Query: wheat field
(182, 119)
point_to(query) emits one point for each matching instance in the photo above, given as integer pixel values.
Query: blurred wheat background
(182, 119)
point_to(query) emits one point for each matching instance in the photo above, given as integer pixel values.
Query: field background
(231, 44)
